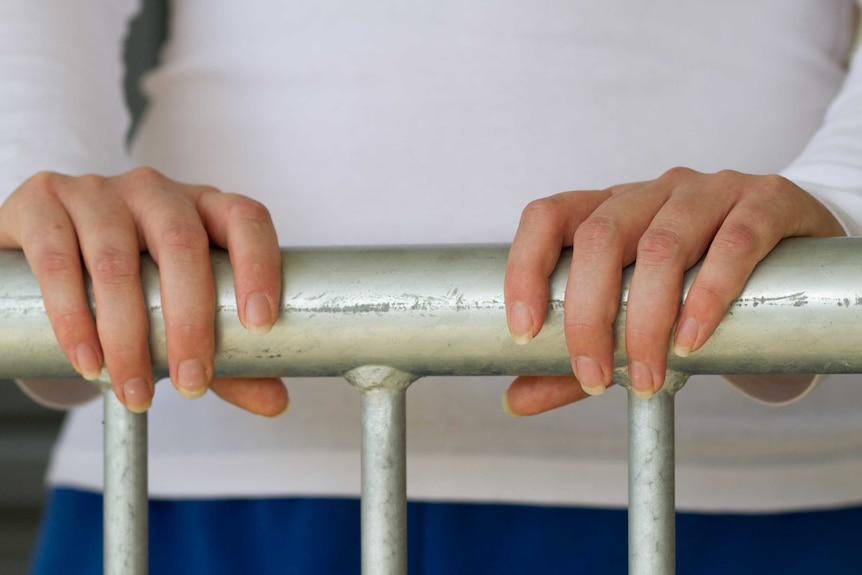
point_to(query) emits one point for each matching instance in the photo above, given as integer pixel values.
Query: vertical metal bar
(125, 494)
(652, 508)
(384, 471)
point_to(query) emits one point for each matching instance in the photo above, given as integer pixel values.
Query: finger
(603, 244)
(175, 236)
(244, 226)
(267, 397)
(109, 244)
(546, 226)
(531, 395)
(676, 238)
(45, 232)
(770, 209)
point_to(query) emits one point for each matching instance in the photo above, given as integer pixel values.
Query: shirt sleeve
(61, 99)
(62, 107)
(829, 168)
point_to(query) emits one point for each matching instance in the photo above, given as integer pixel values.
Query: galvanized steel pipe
(125, 512)
(383, 507)
(440, 310)
(652, 497)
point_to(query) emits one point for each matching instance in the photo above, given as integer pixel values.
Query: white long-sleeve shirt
(437, 122)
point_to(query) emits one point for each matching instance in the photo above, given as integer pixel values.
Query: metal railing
(383, 317)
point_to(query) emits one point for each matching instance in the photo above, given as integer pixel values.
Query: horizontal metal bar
(440, 310)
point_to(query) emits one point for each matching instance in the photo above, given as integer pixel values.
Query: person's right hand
(104, 223)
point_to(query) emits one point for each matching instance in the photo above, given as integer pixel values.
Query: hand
(665, 226)
(59, 220)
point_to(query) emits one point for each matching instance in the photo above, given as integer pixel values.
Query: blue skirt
(321, 537)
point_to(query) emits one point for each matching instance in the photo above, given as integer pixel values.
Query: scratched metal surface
(439, 310)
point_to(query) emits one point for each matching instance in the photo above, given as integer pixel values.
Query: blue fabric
(321, 537)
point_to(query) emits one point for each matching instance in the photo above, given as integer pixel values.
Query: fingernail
(520, 323)
(258, 316)
(641, 380)
(508, 408)
(137, 394)
(192, 379)
(686, 336)
(88, 362)
(590, 375)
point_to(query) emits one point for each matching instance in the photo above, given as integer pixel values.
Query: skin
(102, 224)
(67, 225)
(664, 226)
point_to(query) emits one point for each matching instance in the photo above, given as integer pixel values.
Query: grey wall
(27, 432)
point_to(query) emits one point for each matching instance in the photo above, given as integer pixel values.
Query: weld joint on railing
(379, 377)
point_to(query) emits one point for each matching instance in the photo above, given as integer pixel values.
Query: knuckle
(658, 246)
(189, 331)
(736, 240)
(727, 176)
(707, 293)
(677, 173)
(91, 189)
(53, 262)
(69, 323)
(145, 175)
(772, 188)
(581, 325)
(638, 335)
(593, 319)
(47, 186)
(115, 266)
(93, 182)
(244, 209)
(206, 189)
(619, 190)
(45, 179)
(596, 235)
(183, 236)
(43, 184)
(540, 210)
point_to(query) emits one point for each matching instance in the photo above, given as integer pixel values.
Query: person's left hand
(665, 226)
